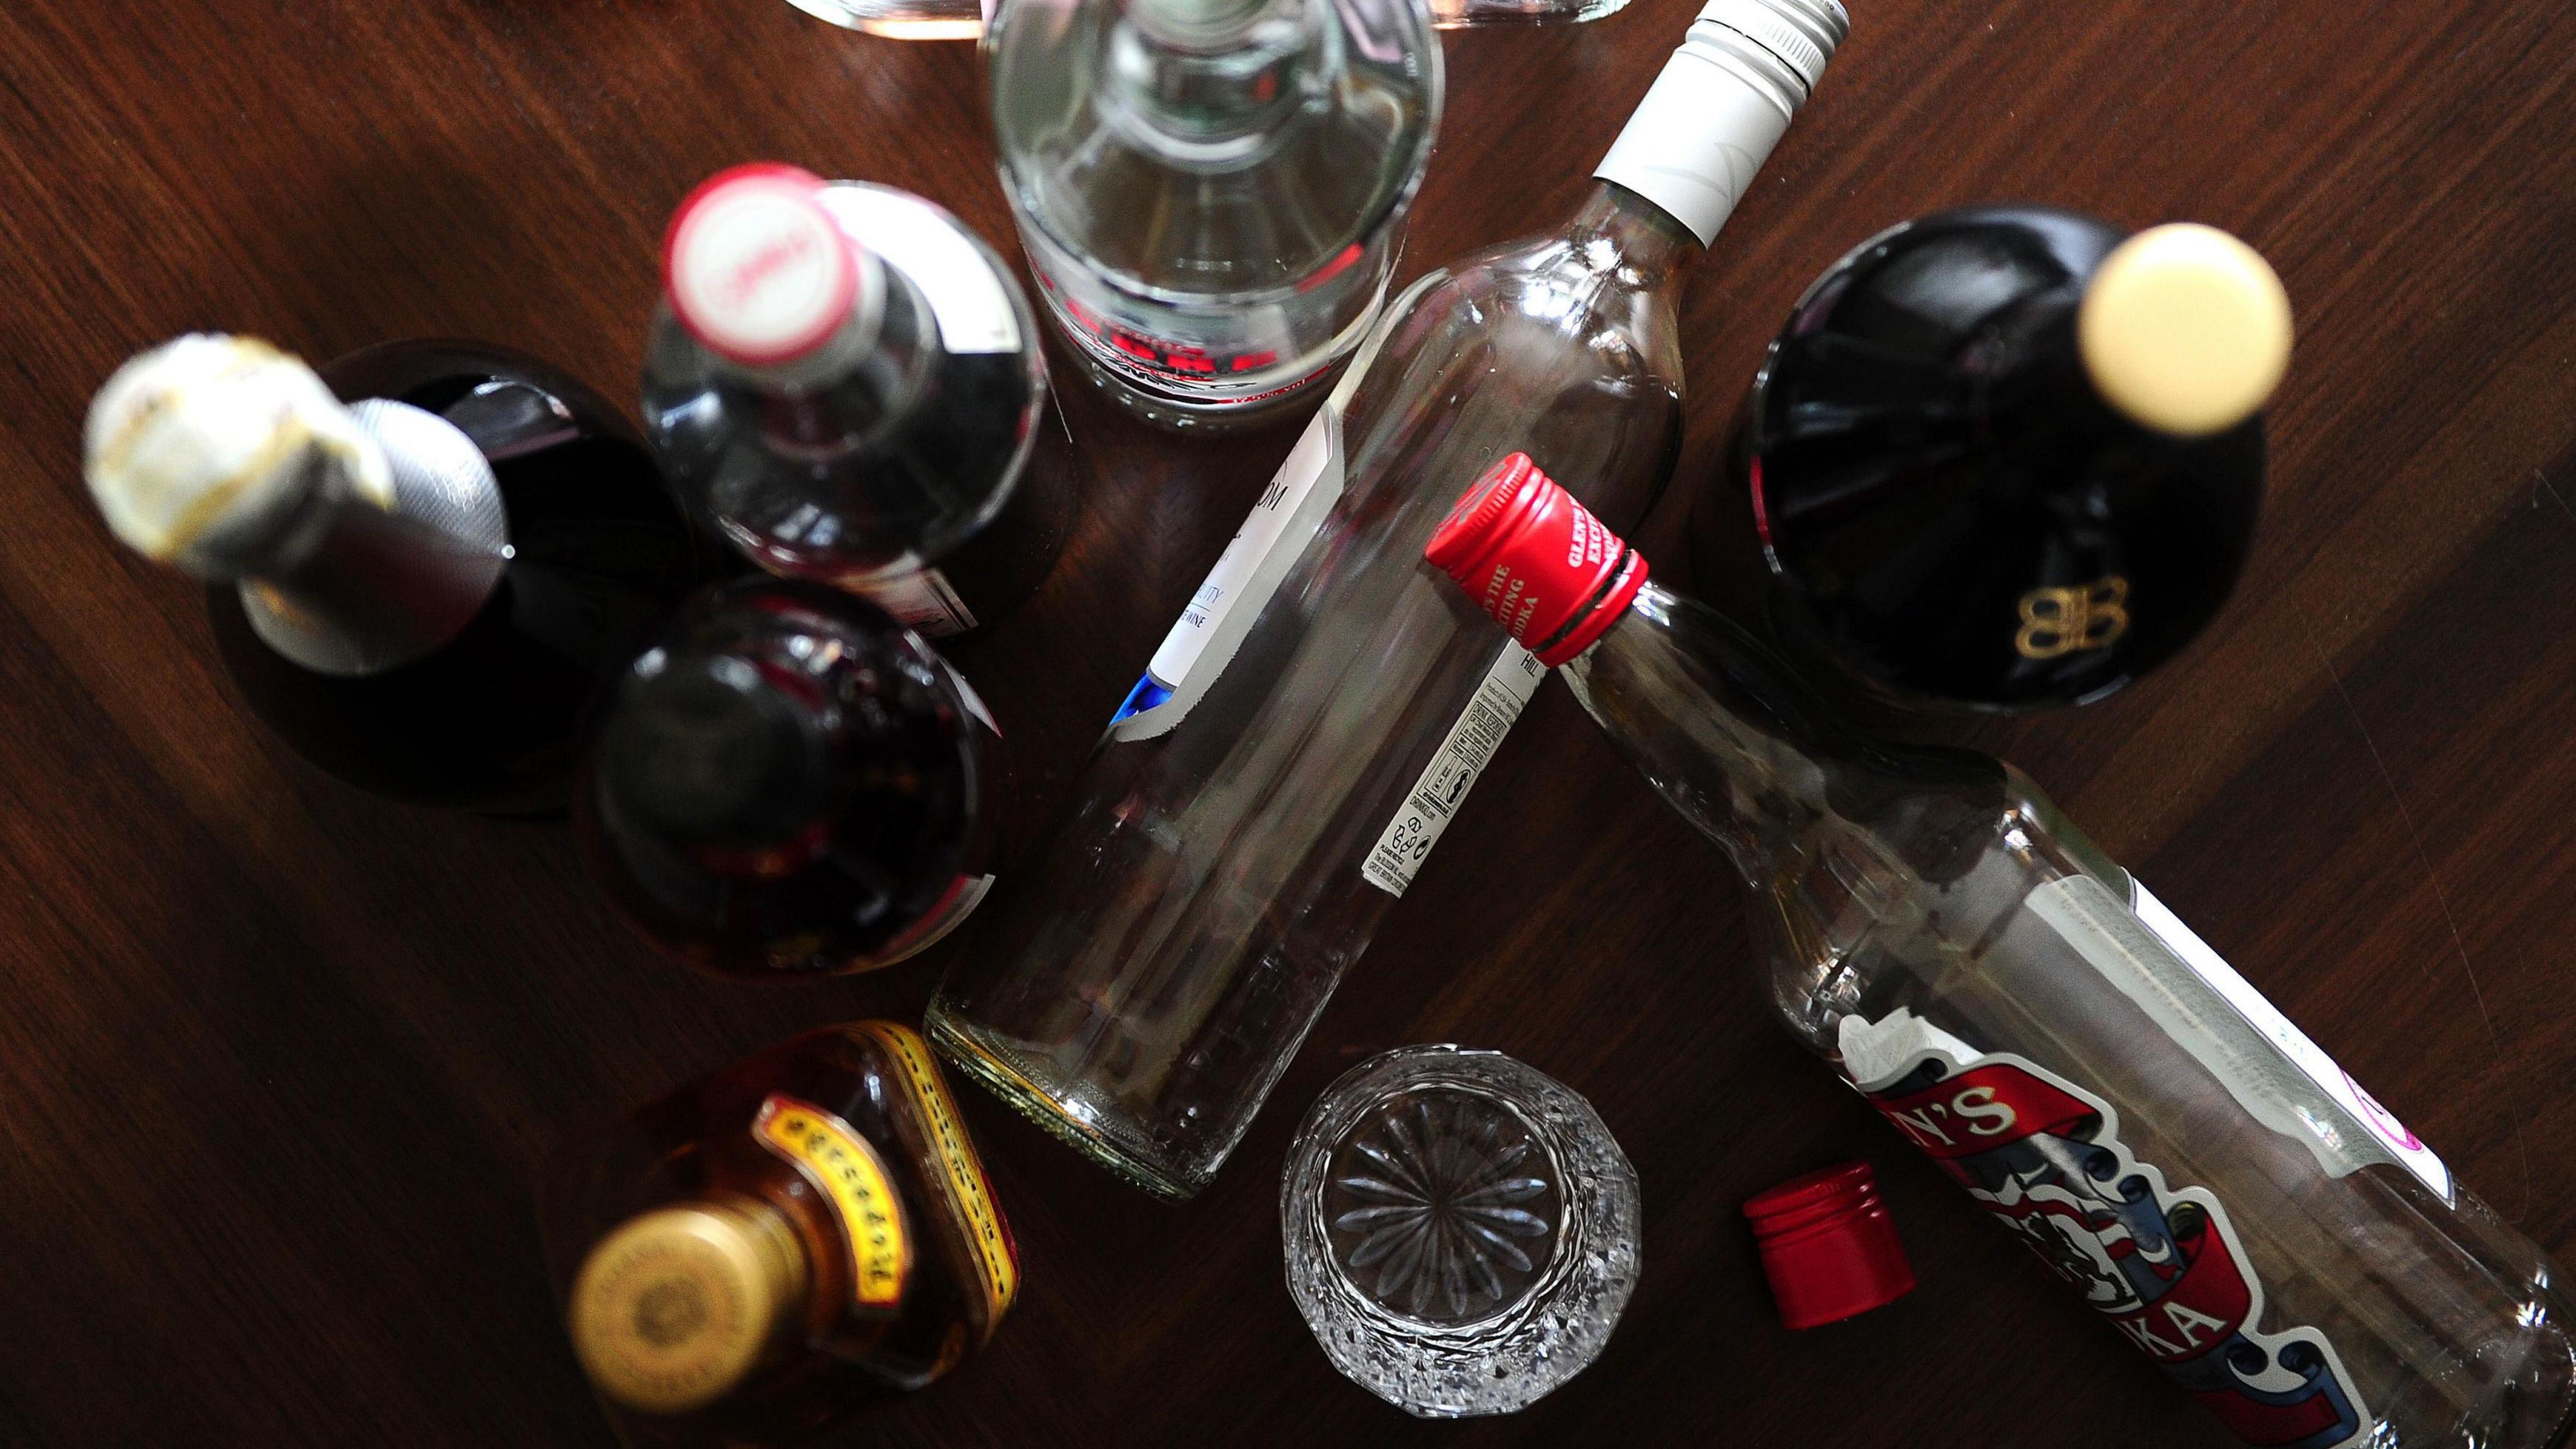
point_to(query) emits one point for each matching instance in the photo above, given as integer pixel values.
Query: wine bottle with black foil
(1316, 716)
(787, 783)
(848, 383)
(755, 1258)
(2028, 1014)
(2005, 457)
(416, 582)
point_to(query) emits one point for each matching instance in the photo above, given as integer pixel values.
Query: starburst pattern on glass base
(1446, 1231)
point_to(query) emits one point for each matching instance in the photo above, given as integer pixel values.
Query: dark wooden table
(276, 1061)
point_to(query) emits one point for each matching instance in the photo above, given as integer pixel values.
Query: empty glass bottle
(416, 583)
(1321, 708)
(967, 19)
(1212, 192)
(2024, 1011)
(787, 783)
(849, 383)
(750, 1260)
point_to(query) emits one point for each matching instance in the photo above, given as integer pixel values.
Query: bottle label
(1435, 797)
(2163, 1264)
(996, 1255)
(969, 296)
(1193, 370)
(920, 599)
(2402, 1146)
(1262, 552)
(853, 1180)
(946, 914)
(1213, 623)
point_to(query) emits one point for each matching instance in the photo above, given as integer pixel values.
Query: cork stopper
(675, 1308)
(2185, 329)
(212, 435)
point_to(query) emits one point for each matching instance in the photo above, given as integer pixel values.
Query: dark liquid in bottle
(702, 1142)
(600, 550)
(1947, 508)
(789, 784)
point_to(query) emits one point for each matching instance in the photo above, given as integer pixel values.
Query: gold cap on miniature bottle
(2185, 330)
(677, 1306)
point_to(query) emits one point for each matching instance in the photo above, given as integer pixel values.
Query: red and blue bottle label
(2163, 1264)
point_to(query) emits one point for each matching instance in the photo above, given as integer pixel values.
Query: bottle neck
(852, 391)
(348, 584)
(1650, 247)
(1207, 82)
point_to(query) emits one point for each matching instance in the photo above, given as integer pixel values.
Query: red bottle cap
(758, 270)
(1828, 1246)
(1536, 560)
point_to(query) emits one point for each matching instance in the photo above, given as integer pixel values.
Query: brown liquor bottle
(756, 1256)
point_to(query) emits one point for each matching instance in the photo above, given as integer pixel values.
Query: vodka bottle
(2027, 1013)
(786, 783)
(848, 382)
(1319, 711)
(2008, 456)
(967, 19)
(416, 583)
(1212, 192)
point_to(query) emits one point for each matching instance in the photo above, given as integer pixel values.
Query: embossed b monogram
(2057, 621)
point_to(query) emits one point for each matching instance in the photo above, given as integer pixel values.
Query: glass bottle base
(1009, 1072)
(1199, 419)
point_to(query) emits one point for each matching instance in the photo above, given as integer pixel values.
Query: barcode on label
(1435, 797)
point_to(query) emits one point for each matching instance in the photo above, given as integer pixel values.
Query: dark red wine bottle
(422, 561)
(847, 382)
(2006, 457)
(788, 783)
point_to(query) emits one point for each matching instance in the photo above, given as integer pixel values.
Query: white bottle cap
(760, 273)
(211, 432)
(1722, 102)
(2185, 329)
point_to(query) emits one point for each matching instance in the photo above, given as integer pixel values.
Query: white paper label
(922, 600)
(1214, 621)
(2259, 1013)
(969, 298)
(1434, 799)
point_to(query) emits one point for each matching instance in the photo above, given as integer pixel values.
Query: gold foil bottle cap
(2185, 330)
(675, 1307)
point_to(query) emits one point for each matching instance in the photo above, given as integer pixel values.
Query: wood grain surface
(277, 1061)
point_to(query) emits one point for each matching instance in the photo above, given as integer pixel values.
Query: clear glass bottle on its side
(848, 383)
(1318, 713)
(749, 1261)
(1212, 192)
(2028, 1014)
(967, 19)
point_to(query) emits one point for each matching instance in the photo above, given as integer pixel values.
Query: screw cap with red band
(1537, 561)
(760, 273)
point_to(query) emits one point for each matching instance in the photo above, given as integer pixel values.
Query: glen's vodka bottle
(1317, 715)
(2023, 1010)
(848, 383)
(418, 582)
(1212, 192)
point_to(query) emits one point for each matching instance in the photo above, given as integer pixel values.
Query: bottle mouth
(1536, 561)
(708, 752)
(760, 273)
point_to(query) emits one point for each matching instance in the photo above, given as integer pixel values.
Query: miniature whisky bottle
(754, 1258)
